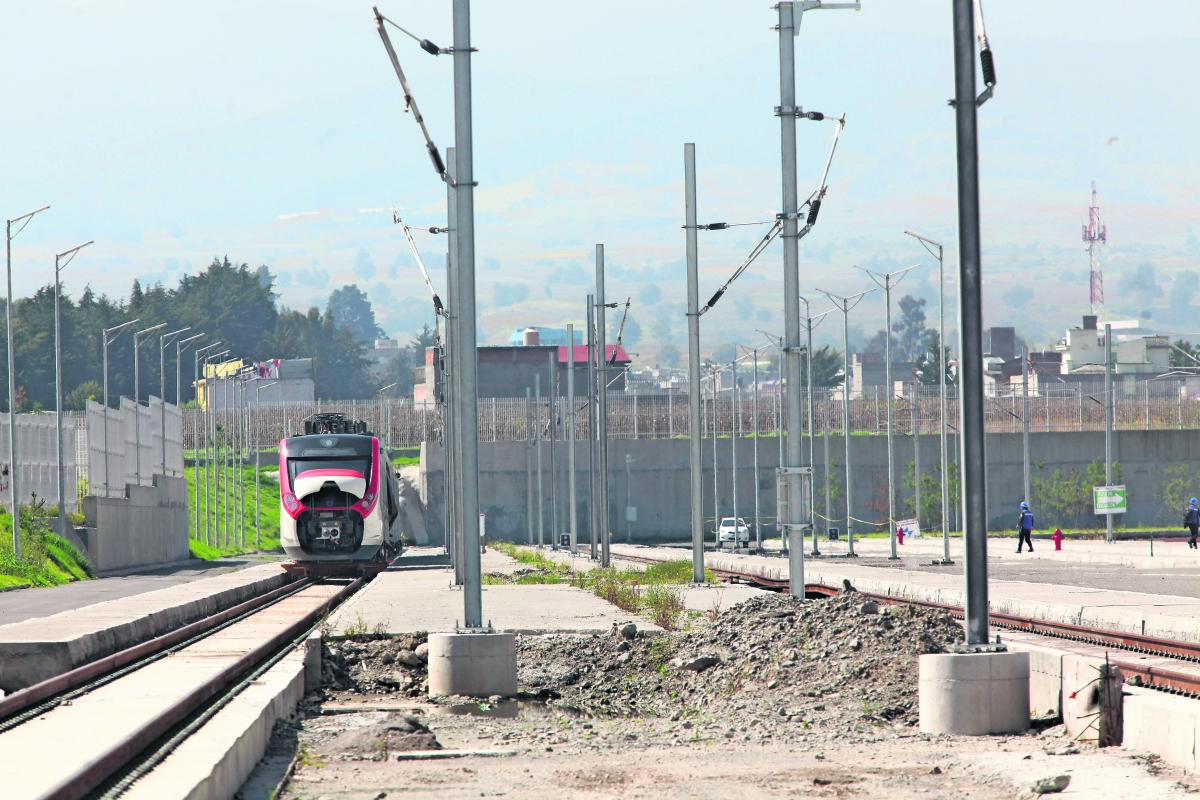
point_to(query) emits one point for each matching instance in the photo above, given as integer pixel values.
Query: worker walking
(1191, 521)
(1025, 528)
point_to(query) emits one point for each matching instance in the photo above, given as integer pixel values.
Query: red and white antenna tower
(1095, 234)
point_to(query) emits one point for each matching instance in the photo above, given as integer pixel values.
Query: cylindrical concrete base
(472, 664)
(973, 694)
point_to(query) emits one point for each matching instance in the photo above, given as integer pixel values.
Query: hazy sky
(274, 132)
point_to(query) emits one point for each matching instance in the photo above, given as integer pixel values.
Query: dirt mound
(771, 652)
(396, 733)
(380, 666)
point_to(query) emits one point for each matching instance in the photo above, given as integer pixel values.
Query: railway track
(94, 731)
(1167, 680)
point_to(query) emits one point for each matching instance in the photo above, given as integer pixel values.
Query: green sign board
(1109, 499)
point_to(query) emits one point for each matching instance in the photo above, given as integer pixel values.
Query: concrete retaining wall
(147, 526)
(658, 484)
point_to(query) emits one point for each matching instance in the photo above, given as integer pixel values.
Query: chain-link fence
(1150, 405)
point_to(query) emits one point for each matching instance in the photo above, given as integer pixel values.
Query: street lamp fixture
(107, 341)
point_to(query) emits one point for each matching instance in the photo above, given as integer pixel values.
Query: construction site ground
(759, 696)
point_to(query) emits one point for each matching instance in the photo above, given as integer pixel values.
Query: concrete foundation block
(1081, 696)
(1164, 724)
(312, 662)
(1045, 678)
(973, 694)
(472, 664)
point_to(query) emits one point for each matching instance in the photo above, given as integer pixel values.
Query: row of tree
(228, 303)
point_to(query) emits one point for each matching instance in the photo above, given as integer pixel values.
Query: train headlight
(291, 504)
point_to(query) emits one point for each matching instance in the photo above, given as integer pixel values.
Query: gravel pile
(812, 662)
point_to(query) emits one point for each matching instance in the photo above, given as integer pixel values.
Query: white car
(726, 532)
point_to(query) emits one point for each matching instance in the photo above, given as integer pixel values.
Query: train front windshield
(298, 466)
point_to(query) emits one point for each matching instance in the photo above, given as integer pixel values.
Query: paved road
(23, 604)
(1180, 582)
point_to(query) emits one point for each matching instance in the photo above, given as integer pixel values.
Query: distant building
(868, 370)
(1136, 350)
(507, 371)
(546, 336)
(385, 350)
(291, 380)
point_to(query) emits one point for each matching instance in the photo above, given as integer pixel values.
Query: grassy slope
(269, 517)
(46, 558)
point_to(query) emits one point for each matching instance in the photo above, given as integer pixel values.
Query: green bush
(47, 559)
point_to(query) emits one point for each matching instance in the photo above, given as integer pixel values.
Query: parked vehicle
(726, 533)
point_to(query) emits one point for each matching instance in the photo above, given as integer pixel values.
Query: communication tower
(1095, 234)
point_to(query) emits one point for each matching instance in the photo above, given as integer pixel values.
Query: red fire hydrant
(900, 534)
(1057, 538)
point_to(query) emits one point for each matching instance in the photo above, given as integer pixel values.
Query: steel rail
(81, 676)
(79, 784)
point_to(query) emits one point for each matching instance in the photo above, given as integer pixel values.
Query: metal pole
(812, 484)
(757, 512)
(889, 394)
(541, 498)
(602, 407)
(58, 409)
(225, 454)
(628, 500)
(733, 434)
(1025, 421)
(796, 497)
(592, 507)
(528, 467)
(828, 473)
(465, 266)
(571, 438)
(971, 438)
(695, 443)
(716, 387)
(554, 388)
(846, 429)
(916, 434)
(1108, 423)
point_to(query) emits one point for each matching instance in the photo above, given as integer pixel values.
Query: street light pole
(58, 388)
(571, 438)
(811, 322)
(695, 443)
(258, 459)
(107, 341)
(601, 357)
(164, 340)
(196, 438)
(929, 246)
(13, 469)
(137, 402)
(886, 285)
(844, 305)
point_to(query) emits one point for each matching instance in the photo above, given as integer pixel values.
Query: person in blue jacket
(1191, 521)
(1025, 528)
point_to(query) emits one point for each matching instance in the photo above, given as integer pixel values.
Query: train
(339, 498)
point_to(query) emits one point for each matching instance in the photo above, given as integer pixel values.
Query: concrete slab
(35, 756)
(37, 649)
(404, 602)
(217, 759)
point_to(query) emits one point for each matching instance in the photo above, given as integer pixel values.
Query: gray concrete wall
(659, 479)
(147, 526)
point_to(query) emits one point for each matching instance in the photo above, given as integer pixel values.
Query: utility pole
(602, 407)
(886, 285)
(593, 519)
(571, 438)
(916, 434)
(137, 402)
(164, 340)
(844, 305)
(930, 246)
(695, 442)
(757, 514)
(107, 341)
(628, 500)
(552, 379)
(970, 362)
(541, 497)
(13, 471)
(58, 387)
(1025, 420)
(528, 467)
(811, 322)
(733, 434)
(1108, 423)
